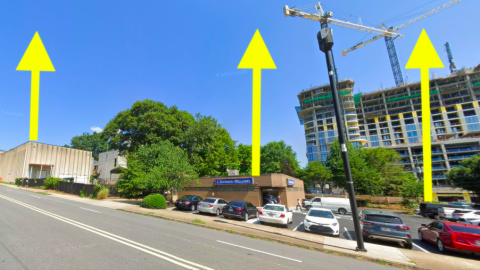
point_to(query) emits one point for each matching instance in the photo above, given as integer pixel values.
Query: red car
(451, 236)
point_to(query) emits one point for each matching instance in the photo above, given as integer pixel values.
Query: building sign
(240, 181)
(291, 182)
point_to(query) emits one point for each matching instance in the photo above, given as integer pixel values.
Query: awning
(42, 164)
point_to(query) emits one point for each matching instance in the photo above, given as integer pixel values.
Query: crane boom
(326, 18)
(412, 21)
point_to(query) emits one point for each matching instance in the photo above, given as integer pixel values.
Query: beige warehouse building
(38, 160)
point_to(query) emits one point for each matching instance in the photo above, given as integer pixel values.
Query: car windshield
(462, 211)
(236, 203)
(186, 197)
(209, 200)
(321, 214)
(465, 229)
(384, 219)
(274, 208)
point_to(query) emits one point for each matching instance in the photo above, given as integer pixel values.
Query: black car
(240, 209)
(431, 209)
(188, 202)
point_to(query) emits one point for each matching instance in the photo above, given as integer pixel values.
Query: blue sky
(109, 54)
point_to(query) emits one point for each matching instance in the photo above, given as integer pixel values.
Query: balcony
(309, 132)
(465, 149)
(352, 127)
(460, 157)
(311, 138)
(439, 176)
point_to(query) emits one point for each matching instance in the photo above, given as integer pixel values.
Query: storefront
(257, 190)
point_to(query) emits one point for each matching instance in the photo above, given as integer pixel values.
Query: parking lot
(348, 232)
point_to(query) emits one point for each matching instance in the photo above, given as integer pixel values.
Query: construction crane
(453, 67)
(389, 40)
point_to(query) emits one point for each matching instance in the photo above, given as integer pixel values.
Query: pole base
(360, 249)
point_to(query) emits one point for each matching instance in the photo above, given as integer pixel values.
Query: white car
(460, 214)
(471, 221)
(321, 220)
(275, 213)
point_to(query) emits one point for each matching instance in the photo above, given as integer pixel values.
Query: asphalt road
(43, 232)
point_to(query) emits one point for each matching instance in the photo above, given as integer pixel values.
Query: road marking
(298, 226)
(259, 251)
(348, 234)
(89, 210)
(35, 196)
(152, 251)
(422, 249)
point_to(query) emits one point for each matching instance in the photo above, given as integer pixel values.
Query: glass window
(323, 148)
(384, 219)
(413, 140)
(210, 200)
(320, 214)
(472, 127)
(374, 138)
(375, 144)
(321, 134)
(236, 203)
(471, 119)
(322, 141)
(410, 127)
(330, 140)
(331, 133)
(465, 229)
(274, 208)
(186, 197)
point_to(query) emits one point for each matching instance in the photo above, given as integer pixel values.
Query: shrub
(51, 183)
(154, 201)
(19, 181)
(103, 193)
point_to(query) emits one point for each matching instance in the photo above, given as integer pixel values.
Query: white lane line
(298, 226)
(89, 210)
(422, 249)
(275, 255)
(35, 196)
(348, 234)
(155, 252)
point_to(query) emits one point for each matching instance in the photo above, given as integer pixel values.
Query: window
(323, 148)
(412, 134)
(469, 113)
(115, 163)
(471, 119)
(409, 121)
(331, 133)
(410, 127)
(472, 127)
(312, 149)
(316, 200)
(374, 138)
(331, 140)
(320, 214)
(312, 157)
(375, 144)
(321, 134)
(322, 141)
(387, 143)
(384, 219)
(413, 140)
(386, 137)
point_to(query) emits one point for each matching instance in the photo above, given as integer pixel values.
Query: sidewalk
(403, 258)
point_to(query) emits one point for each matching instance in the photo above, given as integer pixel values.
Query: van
(340, 205)
(431, 209)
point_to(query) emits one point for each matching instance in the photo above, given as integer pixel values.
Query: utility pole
(325, 42)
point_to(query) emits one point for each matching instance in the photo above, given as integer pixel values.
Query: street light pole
(325, 42)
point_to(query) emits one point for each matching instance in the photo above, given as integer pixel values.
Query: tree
(316, 173)
(365, 178)
(161, 166)
(90, 142)
(245, 159)
(467, 176)
(210, 147)
(147, 122)
(411, 191)
(278, 157)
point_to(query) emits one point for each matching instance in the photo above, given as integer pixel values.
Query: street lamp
(325, 42)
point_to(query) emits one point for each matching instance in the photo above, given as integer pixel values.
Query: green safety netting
(356, 98)
(325, 97)
(408, 97)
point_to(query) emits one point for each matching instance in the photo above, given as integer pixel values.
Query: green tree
(316, 173)
(164, 166)
(91, 142)
(210, 147)
(278, 157)
(245, 159)
(132, 182)
(411, 191)
(147, 122)
(467, 176)
(366, 179)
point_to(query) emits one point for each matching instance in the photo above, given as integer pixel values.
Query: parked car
(451, 236)
(385, 226)
(240, 209)
(211, 206)
(321, 220)
(275, 213)
(340, 205)
(476, 206)
(188, 202)
(471, 221)
(463, 213)
(431, 209)
(447, 211)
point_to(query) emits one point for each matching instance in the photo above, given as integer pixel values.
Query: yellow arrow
(256, 57)
(35, 60)
(425, 57)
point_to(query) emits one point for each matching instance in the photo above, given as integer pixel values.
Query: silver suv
(385, 226)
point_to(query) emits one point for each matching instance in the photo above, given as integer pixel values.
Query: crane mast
(453, 67)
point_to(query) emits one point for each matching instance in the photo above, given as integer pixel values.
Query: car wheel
(420, 237)
(440, 246)
(245, 218)
(308, 208)
(261, 222)
(256, 215)
(217, 212)
(192, 207)
(342, 211)
(408, 245)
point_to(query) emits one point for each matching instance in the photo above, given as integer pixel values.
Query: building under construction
(392, 118)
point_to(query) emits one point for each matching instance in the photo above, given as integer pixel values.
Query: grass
(198, 221)
(381, 262)
(43, 193)
(150, 213)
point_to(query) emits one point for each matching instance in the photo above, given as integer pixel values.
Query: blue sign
(240, 181)
(291, 182)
